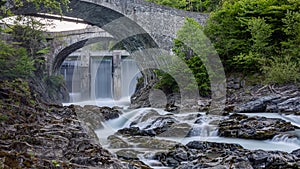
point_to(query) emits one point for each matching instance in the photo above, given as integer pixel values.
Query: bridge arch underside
(65, 52)
(124, 30)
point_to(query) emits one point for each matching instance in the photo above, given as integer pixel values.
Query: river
(205, 130)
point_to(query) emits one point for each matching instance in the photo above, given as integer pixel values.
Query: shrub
(282, 70)
(15, 63)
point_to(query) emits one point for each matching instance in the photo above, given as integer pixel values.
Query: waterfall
(101, 78)
(102, 69)
(286, 138)
(69, 70)
(129, 75)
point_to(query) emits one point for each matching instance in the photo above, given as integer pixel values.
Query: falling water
(130, 73)
(103, 78)
(69, 70)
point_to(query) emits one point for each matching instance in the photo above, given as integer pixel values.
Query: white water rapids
(205, 131)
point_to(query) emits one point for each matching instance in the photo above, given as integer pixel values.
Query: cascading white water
(203, 130)
(129, 75)
(69, 70)
(103, 78)
(286, 138)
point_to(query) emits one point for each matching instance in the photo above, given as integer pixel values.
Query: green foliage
(21, 55)
(55, 163)
(15, 92)
(54, 81)
(166, 82)
(54, 84)
(27, 32)
(189, 66)
(282, 70)
(53, 6)
(190, 5)
(15, 63)
(3, 118)
(255, 35)
(292, 29)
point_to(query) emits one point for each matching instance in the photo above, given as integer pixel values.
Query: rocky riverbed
(241, 97)
(39, 135)
(35, 134)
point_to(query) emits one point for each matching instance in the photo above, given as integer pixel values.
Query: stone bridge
(136, 24)
(62, 44)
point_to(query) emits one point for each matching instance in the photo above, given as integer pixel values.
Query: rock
(258, 105)
(93, 116)
(157, 98)
(117, 142)
(140, 98)
(147, 116)
(135, 131)
(47, 136)
(261, 128)
(204, 146)
(153, 125)
(90, 118)
(107, 112)
(135, 164)
(274, 159)
(197, 154)
(296, 153)
(171, 107)
(290, 105)
(180, 130)
(127, 154)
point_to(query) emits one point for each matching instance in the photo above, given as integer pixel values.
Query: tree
(189, 61)
(248, 34)
(22, 52)
(190, 5)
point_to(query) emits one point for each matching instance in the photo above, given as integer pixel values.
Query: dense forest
(255, 38)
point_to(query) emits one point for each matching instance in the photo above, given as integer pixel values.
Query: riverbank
(242, 96)
(41, 135)
(35, 134)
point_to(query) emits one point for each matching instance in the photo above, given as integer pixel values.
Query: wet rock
(117, 142)
(258, 105)
(274, 159)
(38, 135)
(153, 125)
(140, 98)
(290, 105)
(135, 131)
(136, 164)
(296, 153)
(180, 130)
(261, 128)
(147, 116)
(127, 154)
(106, 112)
(199, 154)
(90, 118)
(171, 107)
(204, 146)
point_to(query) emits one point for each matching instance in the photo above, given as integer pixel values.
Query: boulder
(261, 128)
(258, 105)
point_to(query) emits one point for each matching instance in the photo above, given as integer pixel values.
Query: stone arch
(61, 55)
(125, 30)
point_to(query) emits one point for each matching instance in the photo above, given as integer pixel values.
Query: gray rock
(258, 105)
(261, 128)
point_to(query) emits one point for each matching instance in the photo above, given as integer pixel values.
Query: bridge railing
(93, 30)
